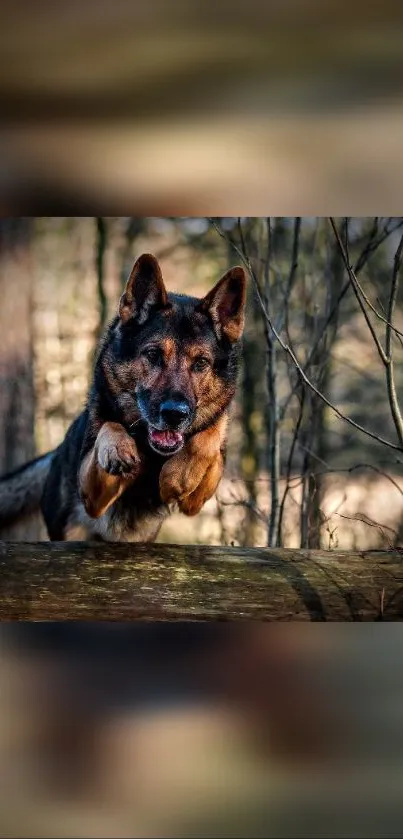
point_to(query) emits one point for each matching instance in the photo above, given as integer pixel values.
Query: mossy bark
(90, 581)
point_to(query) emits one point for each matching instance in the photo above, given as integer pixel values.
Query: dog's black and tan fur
(154, 429)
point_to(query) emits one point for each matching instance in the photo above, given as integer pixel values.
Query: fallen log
(115, 582)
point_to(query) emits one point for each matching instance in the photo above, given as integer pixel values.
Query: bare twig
(390, 370)
(100, 266)
(273, 413)
(243, 502)
(362, 296)
(334, 408)
(382, 603)
(272, 405)
(315, 347)
(292, 274)
(366, 520)
(385, 354)
(374, 243)
(350, 469)
(292, 355)
(369, 249)
(289, 467)
(382, 307)
(359, 293)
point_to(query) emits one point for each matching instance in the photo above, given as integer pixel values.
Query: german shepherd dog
(154, 431)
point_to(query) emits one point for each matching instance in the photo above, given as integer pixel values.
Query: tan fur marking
(196, 350)
(197, 468)
(208, 443)
(191, 504)
(99, 489)
(212, 395)
(168, 349)
(76, 533)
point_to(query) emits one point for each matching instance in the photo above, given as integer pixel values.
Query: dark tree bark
(63, 581)
(100, 266)
(17, 394)
(314, 437)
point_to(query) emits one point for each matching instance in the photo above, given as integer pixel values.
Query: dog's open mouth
(165, 442)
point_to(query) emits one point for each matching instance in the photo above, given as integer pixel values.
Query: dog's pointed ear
(225, 304)
(144, 292)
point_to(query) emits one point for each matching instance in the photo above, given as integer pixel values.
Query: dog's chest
(119, 524)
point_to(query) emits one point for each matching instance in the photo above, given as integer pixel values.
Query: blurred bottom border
(200, 730)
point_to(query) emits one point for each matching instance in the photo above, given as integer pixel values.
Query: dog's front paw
(192, 503)
(179, 477)
(117, 452)
(190, 482)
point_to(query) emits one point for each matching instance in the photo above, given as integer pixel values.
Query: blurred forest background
(316, 440)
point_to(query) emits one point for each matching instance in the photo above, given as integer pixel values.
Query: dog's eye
(200, 364)
(152, 354)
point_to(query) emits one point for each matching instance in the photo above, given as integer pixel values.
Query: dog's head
(171, 361)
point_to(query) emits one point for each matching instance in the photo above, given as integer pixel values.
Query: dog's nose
(174, 412)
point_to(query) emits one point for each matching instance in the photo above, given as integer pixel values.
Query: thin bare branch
(374, 243)
(243, 502)
(288, 469)
(366, 520)
(370, 248)
(350, 469)
(292, 355)
(390, 370)
(386, 355)
(292, 273)
(359, 293)
(272, 406)
(362, 296)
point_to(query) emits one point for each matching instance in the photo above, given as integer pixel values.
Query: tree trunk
(101, 243)
(315, 434)
(17, 395)
(250, 449)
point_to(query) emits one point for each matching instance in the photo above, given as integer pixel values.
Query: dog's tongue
(166, 439)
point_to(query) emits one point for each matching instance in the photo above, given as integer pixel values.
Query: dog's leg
(191, 504)
(112, 465)
(191, 477)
